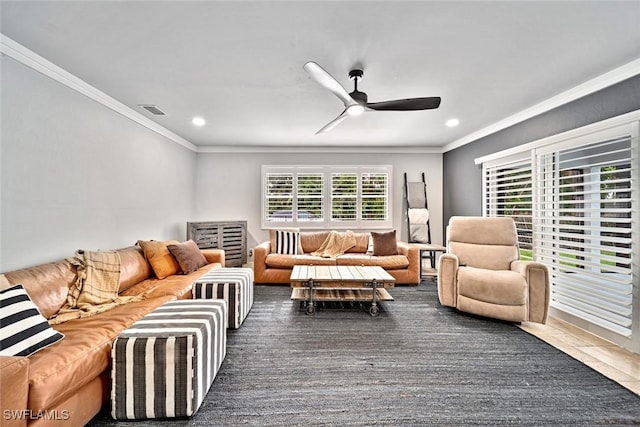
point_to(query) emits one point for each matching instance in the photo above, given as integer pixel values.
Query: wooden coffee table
(340, 283)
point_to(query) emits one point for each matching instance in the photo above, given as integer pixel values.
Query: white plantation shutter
(375, 196)
(344, 196)
(278, 196)
(310, 197)
(327, 196)
(508, 192)
(581, 191)
(584, 229)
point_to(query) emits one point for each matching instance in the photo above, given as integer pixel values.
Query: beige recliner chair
(481, 272)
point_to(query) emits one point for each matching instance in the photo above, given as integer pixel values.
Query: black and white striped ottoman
(165, 363)
(234, 285)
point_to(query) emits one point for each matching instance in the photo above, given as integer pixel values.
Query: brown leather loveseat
(68, 382)
(274, 268)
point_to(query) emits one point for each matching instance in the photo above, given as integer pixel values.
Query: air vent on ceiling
(153, 109)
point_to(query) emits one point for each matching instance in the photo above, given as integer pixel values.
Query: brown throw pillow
(384, 243)
(163, 263)
(188, 256)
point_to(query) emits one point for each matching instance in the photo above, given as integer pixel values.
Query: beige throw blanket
(96, 289)
(336, 243)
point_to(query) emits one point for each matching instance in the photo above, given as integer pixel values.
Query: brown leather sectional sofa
(68, 383)
(273, 268)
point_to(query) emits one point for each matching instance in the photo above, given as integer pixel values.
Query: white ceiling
(239, 64)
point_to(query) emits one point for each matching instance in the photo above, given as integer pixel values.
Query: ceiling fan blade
(335, 122)
(327, 81)
(410, 104)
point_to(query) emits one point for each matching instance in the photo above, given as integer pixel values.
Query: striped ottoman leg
(234, 285)
(164, 364)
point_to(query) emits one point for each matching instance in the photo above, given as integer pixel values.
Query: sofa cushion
(497, 287)
(312, 240)
(362, 243)
(47, 284)
(288, 261)
(59, 371)
(23, 330)
(134, 267)
(490, 257)
(391, 262)
(178, 285)
(163, 263)
(384, 243)
(188, 256)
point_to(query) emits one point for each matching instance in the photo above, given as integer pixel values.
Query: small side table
(431, 249)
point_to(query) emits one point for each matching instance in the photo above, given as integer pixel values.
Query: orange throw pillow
(164, 264)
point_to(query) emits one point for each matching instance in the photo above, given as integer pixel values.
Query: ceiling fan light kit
(357, 102)
(355, 110)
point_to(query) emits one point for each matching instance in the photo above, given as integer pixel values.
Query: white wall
(75, 174)
(229, 185)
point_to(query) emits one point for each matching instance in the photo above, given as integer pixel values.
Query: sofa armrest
(537, 276)
(260, 253)
(448, 279)
(214, 256)
(14, 392)
(413, 256)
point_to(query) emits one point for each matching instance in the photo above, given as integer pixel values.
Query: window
(584, 233)
(575, 197)
(508, 192)
(344, 197)
(326, 196)
(310, 199)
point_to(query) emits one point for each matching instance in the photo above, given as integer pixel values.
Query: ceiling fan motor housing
(359, 97)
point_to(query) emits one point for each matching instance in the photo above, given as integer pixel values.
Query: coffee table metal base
(340, 295)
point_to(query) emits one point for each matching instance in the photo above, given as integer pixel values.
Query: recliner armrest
(447, 279)
(537, 276)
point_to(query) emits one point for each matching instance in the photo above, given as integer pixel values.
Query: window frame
(327, 221)
(624, 126)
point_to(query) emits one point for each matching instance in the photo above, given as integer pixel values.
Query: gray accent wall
(462, 178)
(77, 175)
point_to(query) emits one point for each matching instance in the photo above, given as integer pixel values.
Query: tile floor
(611, 360)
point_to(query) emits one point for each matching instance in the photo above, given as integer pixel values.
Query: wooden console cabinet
(228, 235)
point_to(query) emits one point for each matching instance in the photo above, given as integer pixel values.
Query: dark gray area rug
(417, 363)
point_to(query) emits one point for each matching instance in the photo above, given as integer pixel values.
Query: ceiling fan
(356, 102)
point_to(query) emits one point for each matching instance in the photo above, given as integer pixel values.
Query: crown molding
(34, 61)
(610, 78)
(239, 149)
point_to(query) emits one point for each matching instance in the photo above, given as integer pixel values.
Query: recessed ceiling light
(452, 123)
(198, 121)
